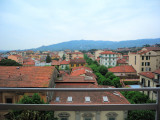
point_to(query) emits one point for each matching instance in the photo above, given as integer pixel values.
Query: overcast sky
(32, 23)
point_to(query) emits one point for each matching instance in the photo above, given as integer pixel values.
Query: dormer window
(87, 99)
(105, 99)
(57, 99)
(69, 99)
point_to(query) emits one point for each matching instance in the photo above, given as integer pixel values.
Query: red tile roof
(95, 97)
(121, 61)
(78, 72)
(18, 56)
(108, 52)
(15, 76)
(152, 48)
(55, 62)
(122, 69)
(28, 62)
(147, 74)
(64, 62)
(77, 61)
(157, 71)
(81, 67)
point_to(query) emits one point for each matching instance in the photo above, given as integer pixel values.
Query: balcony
(70, 107)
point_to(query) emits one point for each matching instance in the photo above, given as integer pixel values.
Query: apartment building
(108, 58)
(147, 59)
(150, 79)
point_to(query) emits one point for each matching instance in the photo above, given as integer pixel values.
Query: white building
(108, 58)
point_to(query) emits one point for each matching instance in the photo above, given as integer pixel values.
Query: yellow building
(147, 59)
(76, 63)
(150, 79)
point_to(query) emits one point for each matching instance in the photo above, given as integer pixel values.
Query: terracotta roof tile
(122, 69)
(64, 62)
(108, 52)
(147, 74)
(95, 97)
(34, 76)
(55, 62)
(121, 61)
(152, 48)
(75, 61)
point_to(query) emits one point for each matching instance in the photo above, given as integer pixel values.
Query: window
(142, 57)
(87, 116)
(146, 57)
(111, 115)
(9, 100)
(142, 63)
(57, 99)
(64, 116)
(72, 65)
(69, 99)
(135, 60)
(87, 99)
(148, 83)
(105, 99)
(142, 69)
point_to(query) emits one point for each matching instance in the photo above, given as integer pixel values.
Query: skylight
(69, 99)
(105, 99)
(57, 99)
(87, 99)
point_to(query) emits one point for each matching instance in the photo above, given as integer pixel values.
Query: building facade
(147, 59)
(108, 58)
(150, 79)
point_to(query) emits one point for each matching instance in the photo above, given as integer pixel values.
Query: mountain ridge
(97, 44)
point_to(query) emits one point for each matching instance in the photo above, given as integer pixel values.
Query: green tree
(67, 68)
(63, 57)
(141, 115)
(107, 81)
(94, 67)
(108, 74)
(116, 82)
(136, 97)
(48, 59)
(103, 69)
(9, 62)
(30, 114)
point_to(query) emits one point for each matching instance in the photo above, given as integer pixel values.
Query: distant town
(132, 67)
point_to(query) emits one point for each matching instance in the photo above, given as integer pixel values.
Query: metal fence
(70, 107)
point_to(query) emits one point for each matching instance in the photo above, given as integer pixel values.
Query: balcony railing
(70, 107)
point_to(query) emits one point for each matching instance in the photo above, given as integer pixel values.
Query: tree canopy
(30, 114)
(48, 59)
(9, 62)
